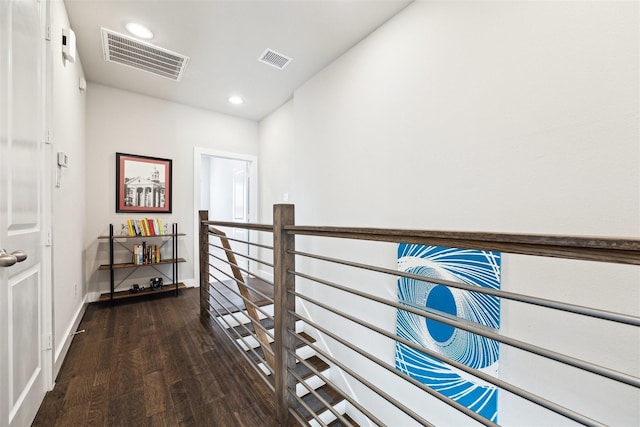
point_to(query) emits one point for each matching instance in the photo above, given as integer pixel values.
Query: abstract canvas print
(473, 267)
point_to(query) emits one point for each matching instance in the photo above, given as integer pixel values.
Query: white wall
(277, 144)
(68, 135)
(525, 110)
(482, 116)
(120, 121)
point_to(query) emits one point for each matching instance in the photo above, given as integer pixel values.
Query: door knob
(7, 260)
(20, 255)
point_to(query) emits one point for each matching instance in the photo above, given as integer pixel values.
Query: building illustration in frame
(141, 191)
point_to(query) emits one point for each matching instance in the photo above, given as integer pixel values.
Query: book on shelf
(143, 227)
(150, 228)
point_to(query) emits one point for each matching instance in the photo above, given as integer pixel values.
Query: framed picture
(143, 184)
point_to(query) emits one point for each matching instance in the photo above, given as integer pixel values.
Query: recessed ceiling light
(139, 30)
(236, 100)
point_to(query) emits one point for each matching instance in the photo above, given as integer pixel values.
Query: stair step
(338, 423)
(304, 372)
(248, 328)
(313, 381)
(250, 341)
(328, 393)
(304, 352)
(240, 317)
(330, 418)
(258, 350)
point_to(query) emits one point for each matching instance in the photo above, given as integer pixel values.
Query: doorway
(226, 186)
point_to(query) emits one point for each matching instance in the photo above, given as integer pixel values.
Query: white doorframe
(198, 154)
(47, 207)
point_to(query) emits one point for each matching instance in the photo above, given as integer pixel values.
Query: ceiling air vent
(275, 59)
(142, 56)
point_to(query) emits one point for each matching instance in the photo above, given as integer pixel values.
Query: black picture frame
(143, 184)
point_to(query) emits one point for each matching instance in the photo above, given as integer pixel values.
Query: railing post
(204, 265)
(283, 215)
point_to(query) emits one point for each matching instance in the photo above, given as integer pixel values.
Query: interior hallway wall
(125, 122)
(277, 145)
(68, 135)
(482, 116)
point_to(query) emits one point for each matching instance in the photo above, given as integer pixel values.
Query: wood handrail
(591, 248)
(247, 225)
(616, 250)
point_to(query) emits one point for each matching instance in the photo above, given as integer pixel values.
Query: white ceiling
(224, 40)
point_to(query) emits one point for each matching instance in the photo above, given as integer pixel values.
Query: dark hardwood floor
(154, 363)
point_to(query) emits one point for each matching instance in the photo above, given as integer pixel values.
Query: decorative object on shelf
(155, 283)
(143, 184)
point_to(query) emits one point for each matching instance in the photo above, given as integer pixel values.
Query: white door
(22, 361)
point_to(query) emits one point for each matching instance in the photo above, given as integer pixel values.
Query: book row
(146, 254)
(145, 227)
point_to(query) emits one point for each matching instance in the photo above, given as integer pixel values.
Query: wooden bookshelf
(122, 295)
(132, 265)
(126, 236)
(174, 286)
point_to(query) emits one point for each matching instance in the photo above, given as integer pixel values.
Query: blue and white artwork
(474, 267)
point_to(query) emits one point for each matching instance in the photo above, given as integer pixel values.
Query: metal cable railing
(320, 360)
(572, 308)
(475, 329)
(237, 308)
(235, 285)
(246, 347)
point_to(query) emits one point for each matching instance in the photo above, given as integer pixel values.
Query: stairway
(241, 324)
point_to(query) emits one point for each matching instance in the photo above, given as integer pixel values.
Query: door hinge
(47, 136)
(48, 33)
(48, 239)
(48, 342)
